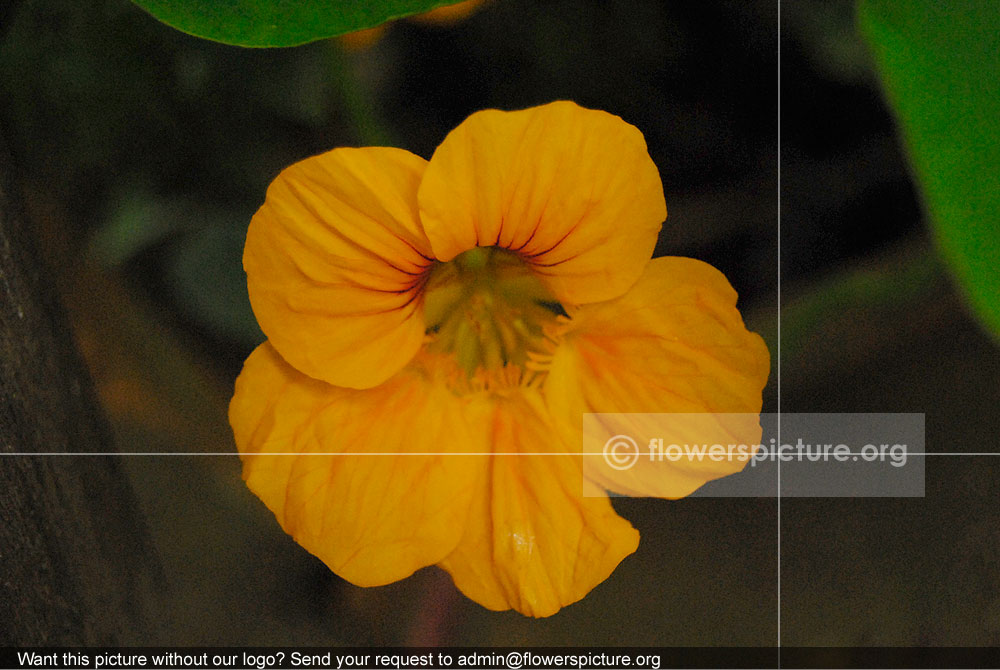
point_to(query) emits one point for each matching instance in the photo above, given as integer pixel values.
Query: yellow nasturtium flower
(436, 331)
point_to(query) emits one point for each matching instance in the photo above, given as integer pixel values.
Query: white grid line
(461, 453)
(778, 344)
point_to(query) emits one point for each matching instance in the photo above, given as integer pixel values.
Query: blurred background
(144, 152)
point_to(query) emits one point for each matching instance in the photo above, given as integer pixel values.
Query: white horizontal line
(454, 453)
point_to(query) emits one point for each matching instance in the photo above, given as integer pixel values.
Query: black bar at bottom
(504, 658)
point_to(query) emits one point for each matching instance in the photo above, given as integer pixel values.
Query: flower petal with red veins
(335, 261)
(573, 191)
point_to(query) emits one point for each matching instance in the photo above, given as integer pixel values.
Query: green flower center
(488, 309)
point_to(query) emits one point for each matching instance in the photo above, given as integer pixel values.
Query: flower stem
(355, 96)
(431, 625)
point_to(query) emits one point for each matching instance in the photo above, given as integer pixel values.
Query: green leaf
(138, 221)
(940, 65)
(279, 23)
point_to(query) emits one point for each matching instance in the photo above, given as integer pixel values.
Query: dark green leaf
(279, 23)
(940, 64)
(138, 221)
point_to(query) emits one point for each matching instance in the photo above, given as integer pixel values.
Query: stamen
(490, 313)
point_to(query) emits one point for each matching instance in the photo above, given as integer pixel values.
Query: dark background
(144, 152)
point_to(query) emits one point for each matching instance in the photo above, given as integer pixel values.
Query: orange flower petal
(675, 343)
(335, 258)
(572, 190)
(373, 519)
(533, 542)
(362, 39)
(447, 15)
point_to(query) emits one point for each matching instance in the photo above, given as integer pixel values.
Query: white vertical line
(778, 346)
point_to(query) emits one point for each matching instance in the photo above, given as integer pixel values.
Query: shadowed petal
(675, 343)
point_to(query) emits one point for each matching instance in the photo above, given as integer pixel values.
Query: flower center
(487, 309)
